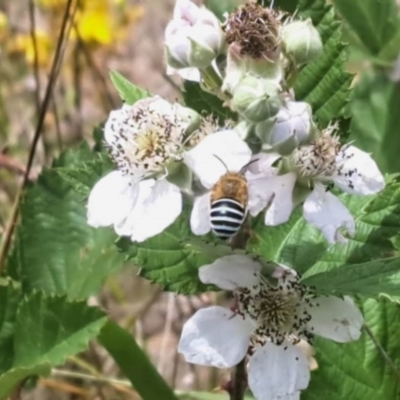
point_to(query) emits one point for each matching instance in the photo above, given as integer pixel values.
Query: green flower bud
(292, 126)
(256, 99)
(302, 42)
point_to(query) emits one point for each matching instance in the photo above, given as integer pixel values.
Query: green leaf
(206, 103)
(167, 259)
(134, 363)
(10, 296)
(47, 331)
(357, 370)
(324, 83)
(219, 8)
(375, 124)
(302, 247)
(57, 251)
(374, 25)
(370, 279)
(128, 92)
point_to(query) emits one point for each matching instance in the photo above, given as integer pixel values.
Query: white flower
(266, 323)
(327, 161)
(192, 39)
(211, 159)
(136, 198)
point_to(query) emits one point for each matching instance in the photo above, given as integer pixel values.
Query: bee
(229, 198)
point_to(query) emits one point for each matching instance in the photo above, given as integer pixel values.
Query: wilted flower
(210, 160)
(326, 160)
(144, 140)
(266, 323)
(301, 41)
(256, 30)
(192, 39)
(292, 126)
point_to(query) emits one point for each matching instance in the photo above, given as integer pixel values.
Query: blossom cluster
(273, 158)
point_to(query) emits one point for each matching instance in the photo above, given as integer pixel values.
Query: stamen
(279, 312)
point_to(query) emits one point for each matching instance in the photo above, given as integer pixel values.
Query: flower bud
(302, 42)
(193, 38)
(256, 99)
(238, 65)
(292, 126)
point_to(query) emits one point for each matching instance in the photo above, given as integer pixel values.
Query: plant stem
(239, 381)
(385, 355)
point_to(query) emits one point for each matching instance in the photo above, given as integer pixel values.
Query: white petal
(186, 10)
(282, 204)
(111, 200)
(215, 336)
(158, 205)
(216, 154)
(232, 272)
(200, 216)
(358, 172)
(263, 164)
(336, 319)
(276, 373)
(325, 211)
(190, 74)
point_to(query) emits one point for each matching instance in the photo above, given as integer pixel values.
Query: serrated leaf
(134, 363)
(166, 259)
(370, 279)
(375, 124)
(57, 251)
(127, 90)
(205, 103)
(47, 331)
(302, 247)
(373, 24)
(358, 370)
(324, 83)
(10, 296)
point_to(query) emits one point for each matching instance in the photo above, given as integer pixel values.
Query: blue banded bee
(229, 198)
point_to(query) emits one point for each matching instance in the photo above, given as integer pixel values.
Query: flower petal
(261, 163)
(282, 204)
(336, 319)
(358, 172)
(186, 10)
(158, 204)
(325, 211)
(216, 154)
(190, 74)
(111, 200)
(200, 216)
(215, 336)
(232, 272)
(276, 373)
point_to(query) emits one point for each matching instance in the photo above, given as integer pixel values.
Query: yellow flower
(23, 43)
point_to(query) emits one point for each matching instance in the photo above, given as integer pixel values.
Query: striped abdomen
(227, 216)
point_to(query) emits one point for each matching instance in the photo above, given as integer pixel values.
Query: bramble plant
(276, 180)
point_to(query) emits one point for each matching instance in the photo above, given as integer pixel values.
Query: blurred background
(122, 35)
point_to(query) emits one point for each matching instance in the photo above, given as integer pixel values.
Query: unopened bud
(302, 42)
(256, 99)
(292, 126)
(193, 38)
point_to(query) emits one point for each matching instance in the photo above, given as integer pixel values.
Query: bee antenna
(221, 162)
(249, 163)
